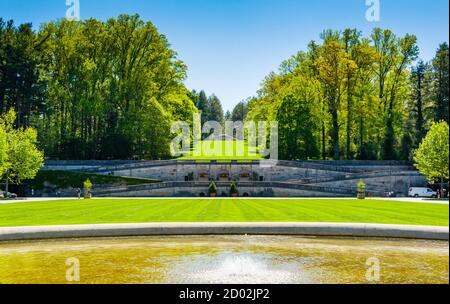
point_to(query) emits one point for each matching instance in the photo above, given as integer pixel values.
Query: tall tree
(105, 82)
(202, 106)
(408, 52)
(350, 39)
(334, 64)
(441, 76)
(419, 83)
(297, 117)
(385, 42)
(240, 111)
(20, 88)
(215, 110)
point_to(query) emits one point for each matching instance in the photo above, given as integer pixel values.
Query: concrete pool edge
(182, 229)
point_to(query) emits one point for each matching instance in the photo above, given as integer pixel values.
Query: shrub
(233, 189)
(212, 189)
(361, 189)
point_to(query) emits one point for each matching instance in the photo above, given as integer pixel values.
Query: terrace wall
(380, 177)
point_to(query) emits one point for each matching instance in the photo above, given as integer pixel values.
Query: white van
(422, 192)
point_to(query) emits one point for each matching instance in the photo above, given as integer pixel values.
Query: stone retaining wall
(380, 177)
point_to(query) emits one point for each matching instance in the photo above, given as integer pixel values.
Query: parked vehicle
(422, 192)
(4, 194)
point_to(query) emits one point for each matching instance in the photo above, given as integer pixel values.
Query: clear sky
(229, 46)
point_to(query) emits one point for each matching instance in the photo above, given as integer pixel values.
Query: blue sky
(231, 45)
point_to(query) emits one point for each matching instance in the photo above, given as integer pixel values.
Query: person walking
(79, 193)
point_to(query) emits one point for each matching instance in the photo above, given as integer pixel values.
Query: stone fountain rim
(237, 228)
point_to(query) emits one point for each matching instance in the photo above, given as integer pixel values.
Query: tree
(23, 158)
(408, 52)
(351, 41)
(215, 110)
(239, 112)
(106, 81)
(334, 65)
(227, 115)
(441, 76)
(431, 159)
(3, 150)
(202, 106)
(418, 74)
(20, 88)
(298, 120)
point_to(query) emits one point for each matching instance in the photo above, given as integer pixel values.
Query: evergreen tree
(441, 78)
(239, 112)
(215, 110)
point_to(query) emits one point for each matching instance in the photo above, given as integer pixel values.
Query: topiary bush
(234, 190)
(361, 189)
(212, 189)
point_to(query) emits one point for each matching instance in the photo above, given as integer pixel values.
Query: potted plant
(212, 189)
(87, 189)
(233, 190)
(361, 190)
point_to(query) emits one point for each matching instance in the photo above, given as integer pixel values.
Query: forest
(112, 89)
(94, 90)
(354, 97)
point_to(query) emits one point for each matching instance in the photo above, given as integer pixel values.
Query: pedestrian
(79, 193)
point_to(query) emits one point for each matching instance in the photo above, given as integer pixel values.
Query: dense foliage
(210, 107)
(110, 90)
(20, 159)
(94, 90)
(432, 156)
(355, 97)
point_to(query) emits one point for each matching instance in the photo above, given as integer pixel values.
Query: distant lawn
(103, 211)
(67, 179)
(223, 150)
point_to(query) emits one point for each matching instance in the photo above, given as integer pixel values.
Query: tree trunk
(361, 135)
(7, 182)
(349, 124)
(389, 137)
(334, 115)
(324, 153)
(419, 123)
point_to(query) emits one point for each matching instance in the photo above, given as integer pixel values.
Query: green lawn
(102, 211)
(223, 150)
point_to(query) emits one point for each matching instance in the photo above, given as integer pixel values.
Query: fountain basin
(226, 259)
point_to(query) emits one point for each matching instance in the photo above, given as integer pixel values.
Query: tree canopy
(92, 89)
(20, 159)
(431, 159)
(111, 90)
(354, 97)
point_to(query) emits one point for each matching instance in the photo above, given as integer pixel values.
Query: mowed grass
(104, 211)
(223, 150)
